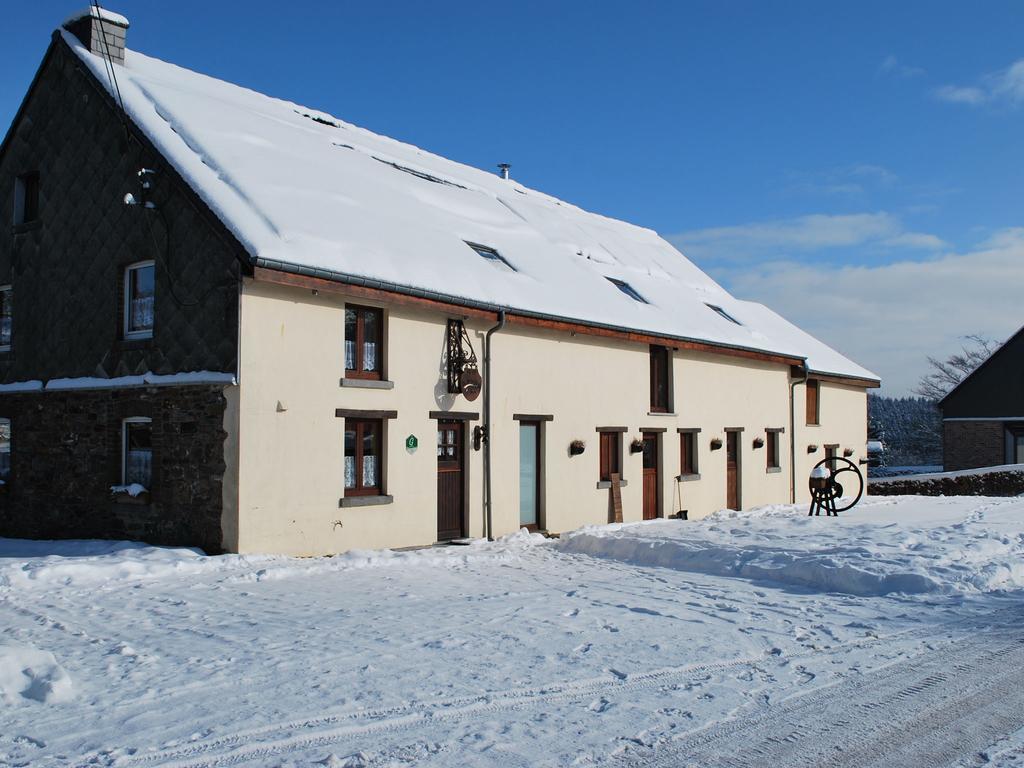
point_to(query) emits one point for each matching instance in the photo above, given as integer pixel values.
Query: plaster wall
(291, 443)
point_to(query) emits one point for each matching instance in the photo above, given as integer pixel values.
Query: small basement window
(363, 450)
(6, 317)
(723, 313)
(364, 331)
(492, 256)
(5, 451)
(627, 289)
(137, 452)
(26, 198)
(139, 298)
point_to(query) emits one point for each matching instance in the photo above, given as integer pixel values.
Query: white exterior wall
(843, 417)
(290, 459)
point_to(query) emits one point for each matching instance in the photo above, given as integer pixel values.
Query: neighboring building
(244, 325)
(983, 416)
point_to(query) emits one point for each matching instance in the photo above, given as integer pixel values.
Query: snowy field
(893, 635)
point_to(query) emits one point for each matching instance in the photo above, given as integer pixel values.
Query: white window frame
(124, 444)
(126, 300)
(9, 289)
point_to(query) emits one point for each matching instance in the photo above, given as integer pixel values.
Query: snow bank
(875, 549)
(26, 564)
(29, 673)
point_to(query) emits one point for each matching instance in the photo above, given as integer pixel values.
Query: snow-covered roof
(301, 187)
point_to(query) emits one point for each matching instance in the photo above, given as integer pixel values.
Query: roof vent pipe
(103, 32)
(503, 169)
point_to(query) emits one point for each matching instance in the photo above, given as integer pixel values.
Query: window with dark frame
(492, 256)
(771, 445)
(688, 453)
(627, 289)
(812, 401)
(5, 451)
(364, 330)
(6, 317)
(26, 198)
(139, 300)
(610, 455)
(137, 452)
(659, 379)
(363, 457)
(722, 313)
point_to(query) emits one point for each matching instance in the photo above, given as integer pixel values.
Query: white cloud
(843, 181)
(956, 94)
(890, 318)
(1005, 86)
(894, 67)
(804, 233)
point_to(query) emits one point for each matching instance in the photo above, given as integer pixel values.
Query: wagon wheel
(837, 465)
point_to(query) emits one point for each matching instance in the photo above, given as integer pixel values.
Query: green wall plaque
(411, 443)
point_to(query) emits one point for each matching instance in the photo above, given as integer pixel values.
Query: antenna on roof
(503, 169)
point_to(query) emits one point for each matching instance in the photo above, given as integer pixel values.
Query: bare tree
(946, 374)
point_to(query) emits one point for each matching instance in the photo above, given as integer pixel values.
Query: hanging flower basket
(576, 447)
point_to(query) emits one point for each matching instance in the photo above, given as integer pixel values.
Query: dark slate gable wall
(996, 390)
(67, 271)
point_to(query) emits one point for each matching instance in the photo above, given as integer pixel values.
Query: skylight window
(723, 313)
(627, 289)
(492, 256)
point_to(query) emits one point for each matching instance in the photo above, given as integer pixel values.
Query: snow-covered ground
(751, 638)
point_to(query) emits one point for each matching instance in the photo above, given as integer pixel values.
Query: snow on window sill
(367, 383)
(365, 501)
(133, 490)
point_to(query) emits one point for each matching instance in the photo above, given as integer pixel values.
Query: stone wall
(982, 484)
(973, 444)
(66, 454)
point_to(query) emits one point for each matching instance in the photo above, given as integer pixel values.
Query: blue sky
(855, 166)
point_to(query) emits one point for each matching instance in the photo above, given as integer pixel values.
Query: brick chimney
(101, 31)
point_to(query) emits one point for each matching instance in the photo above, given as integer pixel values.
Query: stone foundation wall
(973, 444)
(66, 453)
(984, 484)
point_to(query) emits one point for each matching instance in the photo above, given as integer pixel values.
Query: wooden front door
(651, 475)
(449, 481)
(732, 470)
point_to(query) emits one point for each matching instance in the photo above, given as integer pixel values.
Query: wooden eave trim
(849, 381)
(454, 415)
(355, 413)
(532, 417)
(395, 298)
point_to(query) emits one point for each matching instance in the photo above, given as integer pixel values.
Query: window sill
(605, 484)
(365, 501)
(27, 226)
(773, 470)
(368, 383)
(687, 478)
(143, 499)
(662, 413)
(813, 425)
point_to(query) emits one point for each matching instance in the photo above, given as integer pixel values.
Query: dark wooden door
(449, 481)
(650, 475)
(732, 470)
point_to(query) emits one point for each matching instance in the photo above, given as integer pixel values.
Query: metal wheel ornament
(826, 486)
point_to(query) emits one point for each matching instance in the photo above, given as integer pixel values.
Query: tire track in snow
(300, 735)
(934, 710)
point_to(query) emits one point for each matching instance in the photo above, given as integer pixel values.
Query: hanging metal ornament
(463, 374)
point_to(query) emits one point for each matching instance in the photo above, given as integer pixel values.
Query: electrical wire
(108, 63)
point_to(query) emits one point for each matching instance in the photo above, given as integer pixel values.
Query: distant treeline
(910, 428)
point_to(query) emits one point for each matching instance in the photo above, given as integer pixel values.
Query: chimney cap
(96, 13)
(503, 169)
